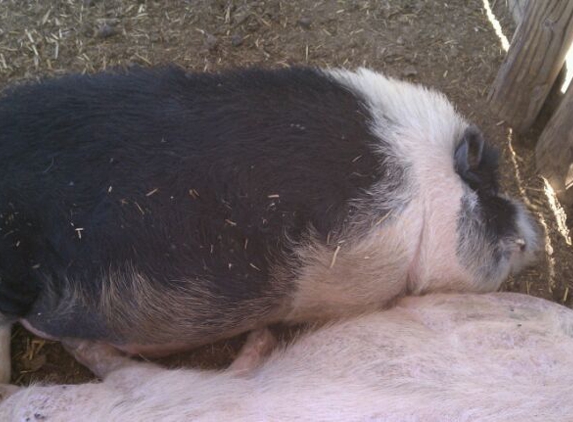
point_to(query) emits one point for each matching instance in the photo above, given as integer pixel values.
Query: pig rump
(494, 357)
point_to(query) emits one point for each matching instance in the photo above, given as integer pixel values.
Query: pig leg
(258, 345)
(5, 363)
(100, 358)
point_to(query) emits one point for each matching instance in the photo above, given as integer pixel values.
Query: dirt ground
(449, 45)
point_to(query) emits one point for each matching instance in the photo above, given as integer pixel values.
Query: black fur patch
(189, 178)
(495, 218)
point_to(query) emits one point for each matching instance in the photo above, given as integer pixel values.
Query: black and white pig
(157, 210)
(442, 357)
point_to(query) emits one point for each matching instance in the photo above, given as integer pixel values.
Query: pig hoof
(100, 358)
(259, 344)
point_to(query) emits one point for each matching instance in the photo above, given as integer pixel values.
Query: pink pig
(492, 357)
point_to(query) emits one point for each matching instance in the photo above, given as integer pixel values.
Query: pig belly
(155, 350)
(150, 329)
(148, 350)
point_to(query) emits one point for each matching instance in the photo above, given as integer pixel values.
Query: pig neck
(435, 264)
(413, 251)
(363, 273)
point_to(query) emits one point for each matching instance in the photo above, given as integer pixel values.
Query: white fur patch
(416, 250)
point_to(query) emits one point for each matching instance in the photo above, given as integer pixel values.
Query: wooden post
(554, 151)
(534, 59)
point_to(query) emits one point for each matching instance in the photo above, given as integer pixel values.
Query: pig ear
(470, 153)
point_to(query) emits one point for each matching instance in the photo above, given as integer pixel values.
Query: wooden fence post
(554, 151)
(534, 59)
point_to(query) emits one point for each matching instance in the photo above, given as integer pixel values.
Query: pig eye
(477, 163)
